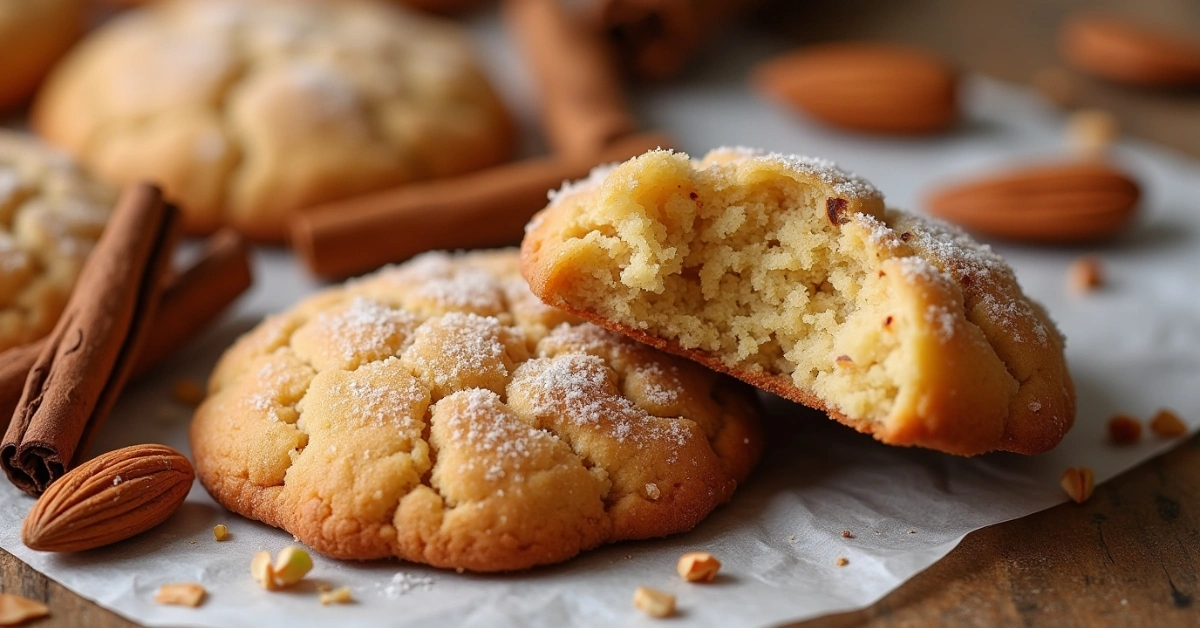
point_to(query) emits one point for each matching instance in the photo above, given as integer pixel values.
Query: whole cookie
(50, 217)
(439, 413)
(33, 35)
(790, 274)
(247, 111)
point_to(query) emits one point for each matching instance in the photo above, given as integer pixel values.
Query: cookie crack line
(497, 480)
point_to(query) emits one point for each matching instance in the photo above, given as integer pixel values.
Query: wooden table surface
(1128, 557)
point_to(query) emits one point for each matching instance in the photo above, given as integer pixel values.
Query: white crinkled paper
(1131, 348)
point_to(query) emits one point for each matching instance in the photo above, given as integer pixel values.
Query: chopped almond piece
(291, 565)
(340, 595)
(698, 567)
(1085, 274)
(1092, 131)
(653, 602)
(220, 532)
(182, 594)
(1079, 482)
(842, 561)
(260, 569)
(1168, 424)
(15, 610)
(1124, 429)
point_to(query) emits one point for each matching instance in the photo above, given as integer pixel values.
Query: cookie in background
(245, 112)
(51, 214)
(33, 35)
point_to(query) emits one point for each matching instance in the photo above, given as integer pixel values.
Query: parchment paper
(1132, 347)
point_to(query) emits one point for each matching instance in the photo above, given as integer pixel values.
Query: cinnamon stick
(481, 209)
(583, 104)
(190, 301)
(195, 297)
(656, 38)
(90, 354)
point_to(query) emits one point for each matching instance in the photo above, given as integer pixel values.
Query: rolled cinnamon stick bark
(655, 38)
(90, 354)
(582, 99)
(191, 300)
(482, 209)
(195, 297)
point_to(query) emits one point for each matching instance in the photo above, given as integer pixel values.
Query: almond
(1049, 203)
(1118, 50)
(874, 87)
(109, 498)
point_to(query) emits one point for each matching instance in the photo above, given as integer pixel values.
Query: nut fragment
(1056, 86)
(1085, 274)
(1124, 429)
(1167, 423)
(182, 594)
(1079, 482)
(652, 491)
(1091, 132)
(846, 534)
(187, 391)
(698, 567)
(291, 565)
(653, 602)
(842, 561)
(220, 532)
(15, 609)
(260, 569)
(340, 595)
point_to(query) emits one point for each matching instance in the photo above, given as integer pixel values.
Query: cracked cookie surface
(438, 412)
(51, 215)
(791, 274)
(246, 111)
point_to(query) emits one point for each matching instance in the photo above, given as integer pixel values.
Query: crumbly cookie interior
(766, 274)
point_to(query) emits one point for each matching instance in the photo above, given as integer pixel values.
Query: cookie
(791, 275)
(439, 413)
(51, 215)
(248, 111)
(34, 36)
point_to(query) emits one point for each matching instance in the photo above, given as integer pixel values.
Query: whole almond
(1118, 50)
(109, 498)
(1051, 203)
(874, 87)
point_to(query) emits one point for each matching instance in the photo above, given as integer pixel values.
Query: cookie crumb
(912, 531)
(1167, 423)
(1124, 429)
(653, 602)
(1085, 274)
(846, 534)
(182, 594)
(842, 561)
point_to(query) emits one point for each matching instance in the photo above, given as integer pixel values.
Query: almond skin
(1052, 203)
(1115, 49)
(872, 87)
(109, 498)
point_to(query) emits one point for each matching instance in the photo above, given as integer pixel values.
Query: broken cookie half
(790, 274)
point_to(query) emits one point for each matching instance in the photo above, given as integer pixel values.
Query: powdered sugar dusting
(365, 327)
(577, 387)
(843, 182)
(479, 420)
(402, 583)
